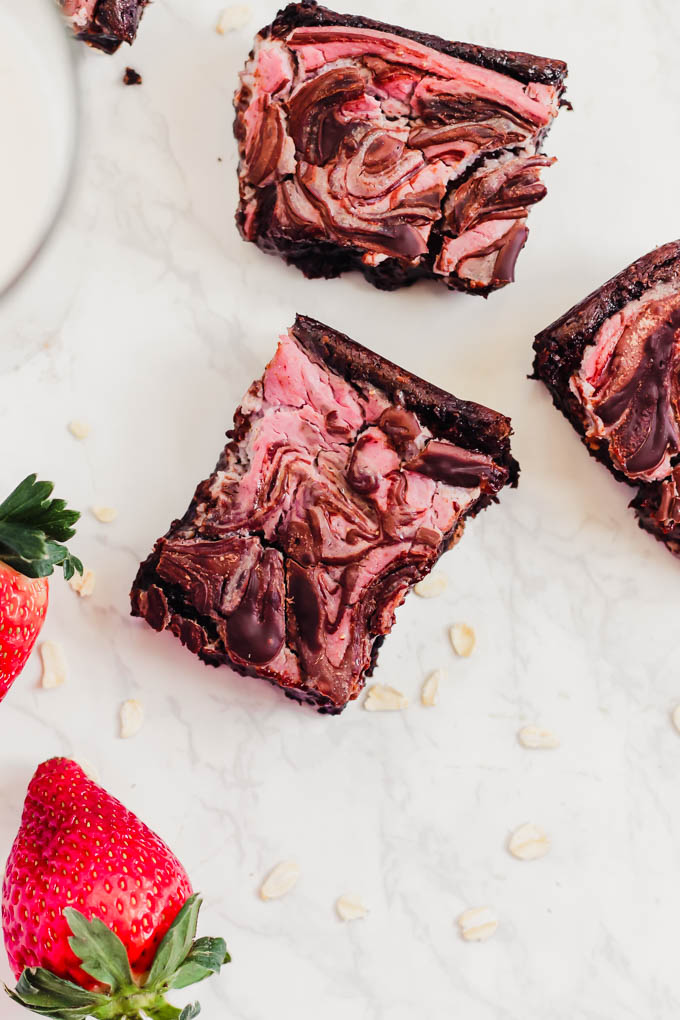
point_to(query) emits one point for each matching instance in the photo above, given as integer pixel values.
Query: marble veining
(148, 317)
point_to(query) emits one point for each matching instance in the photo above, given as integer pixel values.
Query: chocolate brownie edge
(559, 348)
(646, 504)
(113, 23)
(163, 607)
(464, 421)
(523, 66)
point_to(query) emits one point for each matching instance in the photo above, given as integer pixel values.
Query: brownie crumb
(132, 77)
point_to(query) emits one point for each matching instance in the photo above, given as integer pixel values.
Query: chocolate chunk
(106, 24)
(131, 77)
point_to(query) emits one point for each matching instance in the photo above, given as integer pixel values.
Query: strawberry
(98, 915)
(32, 528)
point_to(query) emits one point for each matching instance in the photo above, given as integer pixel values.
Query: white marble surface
(149, 317)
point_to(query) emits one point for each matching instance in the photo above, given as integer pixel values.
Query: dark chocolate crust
(646, 506)
(114, 22)
(477, 428)
(327, 260)
(460, 421)
(523, 66)
(559, 351)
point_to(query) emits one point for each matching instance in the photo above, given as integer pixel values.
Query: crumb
(105, 514)
(132, 77)
(232, 18)
(83, 584)
(79, 429)
(131, 718)
(54, 665)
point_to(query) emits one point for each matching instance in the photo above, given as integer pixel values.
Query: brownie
(611, 364)
(344, 480)
(366, 146)
(104, 24)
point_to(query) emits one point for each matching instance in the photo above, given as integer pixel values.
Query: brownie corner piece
(367, 146)
(104, 24)
(344, 480)
(611, 364)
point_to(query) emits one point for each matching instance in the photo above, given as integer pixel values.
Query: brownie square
(611, 364)
(344, 480)
(104, 24)
(366, 146)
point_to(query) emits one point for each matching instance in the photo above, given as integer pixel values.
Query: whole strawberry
(32, 530)
(98, 915)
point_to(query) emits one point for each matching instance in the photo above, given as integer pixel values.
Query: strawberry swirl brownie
(345, 480)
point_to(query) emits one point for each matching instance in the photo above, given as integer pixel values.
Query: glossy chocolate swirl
(635, 396)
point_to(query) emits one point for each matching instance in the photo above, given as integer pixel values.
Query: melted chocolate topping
(312, 120)
(305, 607)
(640, 397)
(256, 630)
(402, 427)
(504, 266)
(361, 479)
(454, 466)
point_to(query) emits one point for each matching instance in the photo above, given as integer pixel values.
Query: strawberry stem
(181, 960)
(33, 528)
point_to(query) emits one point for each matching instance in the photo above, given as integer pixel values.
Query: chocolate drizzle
(360, 478)
(305, 607)
(402, 427)
(637, 402)
(265, 147)
(454, 466)
(312, 120)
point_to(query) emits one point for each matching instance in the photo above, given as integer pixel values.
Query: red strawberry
(78, 847)
(32, 528)
(23, 605)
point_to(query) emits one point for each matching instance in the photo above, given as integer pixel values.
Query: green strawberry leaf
(32, 528)
(28, 494)
(48, 995)
(206, 957)
(53, 518)
(101, 952)
(46, 989)
(177, 943)
(51, 1011)
(27, 543)
(163, 1012)
(180, 961)
(189, 1012)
